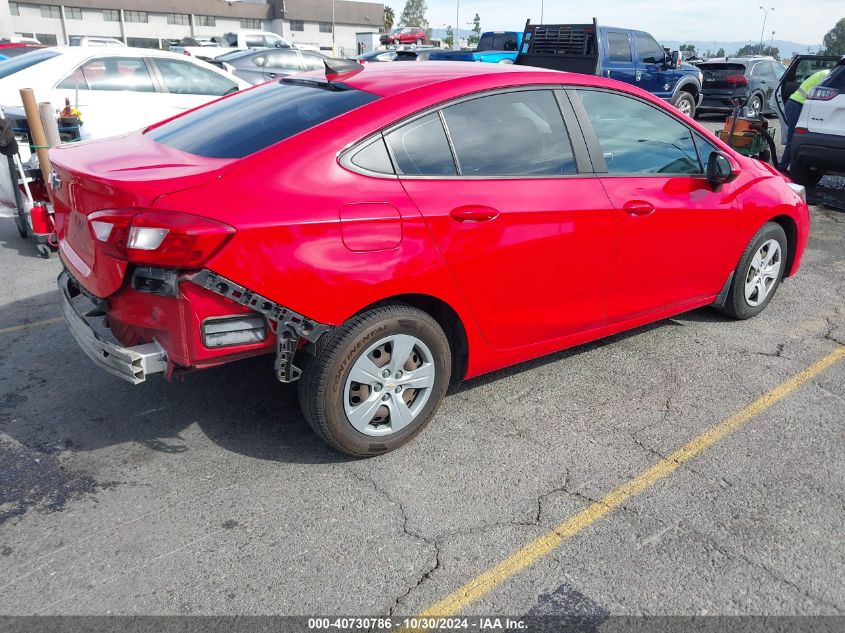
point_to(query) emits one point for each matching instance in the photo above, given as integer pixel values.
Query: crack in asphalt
(435, 541)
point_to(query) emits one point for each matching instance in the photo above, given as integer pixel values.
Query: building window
(73, 13)
(297, 25)
(48, 39)
(205, 20)
(136, 16)
(14, 9)
(111, 15)
(177, 18)
(250, 23)
(143, 42)
(325, 27)
(50, 11)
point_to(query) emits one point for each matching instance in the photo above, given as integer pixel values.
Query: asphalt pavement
(210, 495)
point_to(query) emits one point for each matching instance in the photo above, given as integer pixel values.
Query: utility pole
(334, 45)
(542, 7)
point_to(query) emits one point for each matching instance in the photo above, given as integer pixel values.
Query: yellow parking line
(545, 544)
(26, 326)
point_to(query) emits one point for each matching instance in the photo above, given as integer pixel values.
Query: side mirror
(675, 59)
(721, 170)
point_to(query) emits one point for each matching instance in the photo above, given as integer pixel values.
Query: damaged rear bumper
(87, 324)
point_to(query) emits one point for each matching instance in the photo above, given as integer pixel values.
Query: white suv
(818, 143)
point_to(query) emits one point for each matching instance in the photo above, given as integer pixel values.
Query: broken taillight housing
(158, 238)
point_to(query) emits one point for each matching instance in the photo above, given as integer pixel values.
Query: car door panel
(532, 254)
(619, 56)
(674, 233)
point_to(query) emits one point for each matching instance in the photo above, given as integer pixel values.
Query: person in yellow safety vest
(792, 110)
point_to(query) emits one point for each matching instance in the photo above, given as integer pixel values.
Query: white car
(85, 40)
(117, 90)
(820, 149)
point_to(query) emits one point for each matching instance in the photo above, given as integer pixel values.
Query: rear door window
(255, 119)
(618, 47)
(187, 78)
(517, 134)
(284, 59)
(420, 148)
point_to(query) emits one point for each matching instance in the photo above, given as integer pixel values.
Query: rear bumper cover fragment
(87, 324)
(290, 326)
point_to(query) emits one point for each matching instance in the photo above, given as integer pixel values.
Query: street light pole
(763, 30)
(334, 45)
(456, 45)
(542, 7)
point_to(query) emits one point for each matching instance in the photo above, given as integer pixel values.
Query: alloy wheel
(763, 273)
(389, 385)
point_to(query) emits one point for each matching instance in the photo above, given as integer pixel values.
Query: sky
(802, 21)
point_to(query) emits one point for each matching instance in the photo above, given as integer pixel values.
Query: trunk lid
(125, 172)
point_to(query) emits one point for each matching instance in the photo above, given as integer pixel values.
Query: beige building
(151, 23)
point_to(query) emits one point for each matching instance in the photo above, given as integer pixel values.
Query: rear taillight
(737, 80)
(158, 238)
(801, 130)
(820, 93)
(188, 53)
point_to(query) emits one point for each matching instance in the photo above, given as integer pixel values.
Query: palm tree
(389, 18)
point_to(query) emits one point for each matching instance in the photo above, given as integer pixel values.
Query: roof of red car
(388, 79)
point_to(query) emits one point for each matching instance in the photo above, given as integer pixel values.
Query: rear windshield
(248, 122)
(717, 68)
(11, 66)
(836, 78)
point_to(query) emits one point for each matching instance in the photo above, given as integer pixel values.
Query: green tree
(389, 18)
(834, 41)
(688, 47)
(414, 14)
(720, 53)
(473, 39)
(449, 38)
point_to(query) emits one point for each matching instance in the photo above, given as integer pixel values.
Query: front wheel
(758, 274)
(685, 102)
(377, 380)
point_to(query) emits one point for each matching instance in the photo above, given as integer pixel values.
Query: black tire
(682, 98)
(804, 175)
(755, 105)
(323, 382)
(736, 305)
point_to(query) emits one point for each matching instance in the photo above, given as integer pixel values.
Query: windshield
(497, 42)
(11, 66)
(253, 120)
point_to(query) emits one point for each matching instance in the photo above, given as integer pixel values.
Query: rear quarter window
(836, 79)
(253, 120)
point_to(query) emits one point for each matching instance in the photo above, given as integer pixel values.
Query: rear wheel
(685, 102)
(758, 274)
(754, 106)
(377, 380)
(804, 175)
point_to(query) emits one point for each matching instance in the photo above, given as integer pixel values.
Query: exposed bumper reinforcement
(290, 326)
(87, 324)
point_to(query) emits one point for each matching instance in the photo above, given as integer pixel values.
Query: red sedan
(386, 231)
